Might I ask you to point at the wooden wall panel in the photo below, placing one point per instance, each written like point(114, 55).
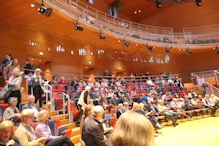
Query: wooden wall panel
point(186, 15)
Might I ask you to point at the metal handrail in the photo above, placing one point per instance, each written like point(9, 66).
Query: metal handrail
point(159, 36)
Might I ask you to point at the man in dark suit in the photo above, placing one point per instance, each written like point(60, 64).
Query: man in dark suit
point(92, 130)
point(31, 105)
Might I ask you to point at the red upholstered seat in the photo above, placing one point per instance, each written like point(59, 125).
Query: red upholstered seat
point(113, 122)
point(75, 112)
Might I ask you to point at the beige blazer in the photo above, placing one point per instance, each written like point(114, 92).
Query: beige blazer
point(24, 137)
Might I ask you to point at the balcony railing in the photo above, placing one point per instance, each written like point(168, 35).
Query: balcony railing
point(207, 36)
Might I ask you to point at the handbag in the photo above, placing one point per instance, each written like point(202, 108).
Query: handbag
point(6, 91)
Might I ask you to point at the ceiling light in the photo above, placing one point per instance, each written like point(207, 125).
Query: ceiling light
point(135, 12)
point(41, 53)
point(139, 11)
point(32, 59)
point(78, 27)
point(39, 60)
point(89, 62)
point(126, 43)
point(150, 48)
point(32, 5)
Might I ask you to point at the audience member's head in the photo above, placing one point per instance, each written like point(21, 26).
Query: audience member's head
point(135, 106)
point(88, 88)
point(6, 131)
point(27, 116)
point(12, 101)
point(207, 96)
point(141, 106)
point(132, 129)
point(31, 99)
point(98, 112)
point(88, 111)
point(16, 72)
point(43, 116)
point(120, 106)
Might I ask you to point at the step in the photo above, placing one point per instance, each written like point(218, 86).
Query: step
point(75, 131)
point(76, 139)
point(52, 113)
point(61, 117)
point(63, 122)
point(78, 144)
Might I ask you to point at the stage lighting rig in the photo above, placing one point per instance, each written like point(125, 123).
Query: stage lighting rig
point(43, 10)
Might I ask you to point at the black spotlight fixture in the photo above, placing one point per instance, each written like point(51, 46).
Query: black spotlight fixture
point(126, 42)
point(78, 27)
point(167, 49)
point(198, 2)
point(43, 10)
point(158, 3)
point(150, 48)
point(188, 51)
point(216, 50)
point(101, 36)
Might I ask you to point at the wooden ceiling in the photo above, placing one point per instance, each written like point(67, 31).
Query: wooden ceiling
point(20, 13)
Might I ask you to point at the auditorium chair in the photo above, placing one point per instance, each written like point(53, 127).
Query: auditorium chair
point(75, 111)
point(67, 133)
point(113, 122)
point(62, 128)
point(2, 108)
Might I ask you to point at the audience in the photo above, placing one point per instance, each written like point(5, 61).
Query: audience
point(92, 129)
point(7, 134)
point(9, 69)
point(31, 105)
point(28, 67)
point(25, 133)
point(131, 131)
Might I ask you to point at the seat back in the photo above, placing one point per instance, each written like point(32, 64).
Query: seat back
point(2, 108)
point(113, 122)
point(35, 125)
point(67, 132)
point(75, 112)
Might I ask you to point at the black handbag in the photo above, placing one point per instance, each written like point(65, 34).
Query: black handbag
point(6, 91)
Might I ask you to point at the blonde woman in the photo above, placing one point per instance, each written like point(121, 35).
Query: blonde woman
point(35, 83)
point(15, 82)
point(7, 134)
point(43, 130)
point(132, 129)
point(25, 133)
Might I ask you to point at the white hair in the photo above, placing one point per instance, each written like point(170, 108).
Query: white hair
point(97, 110)
point(87, 88)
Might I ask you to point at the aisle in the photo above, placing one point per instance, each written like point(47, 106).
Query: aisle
point(202, 132)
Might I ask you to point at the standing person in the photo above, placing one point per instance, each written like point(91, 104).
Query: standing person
point(84, 100)
point(36, 82)
point(6, 62)
point(9, 68)
point(27, 66)
point(15, 82)
point(92, 130)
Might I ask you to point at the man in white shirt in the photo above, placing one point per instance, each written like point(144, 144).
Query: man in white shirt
point(206, 102)
point(31, 105)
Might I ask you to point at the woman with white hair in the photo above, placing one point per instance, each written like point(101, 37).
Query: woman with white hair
point(15, 82)
point(25, 133)
point(35, 83)
point(7, 134)
point(12, 113)
point(43, 130)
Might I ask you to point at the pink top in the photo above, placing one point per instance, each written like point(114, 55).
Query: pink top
point(43, 130)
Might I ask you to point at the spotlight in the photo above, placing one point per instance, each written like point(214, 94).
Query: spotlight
point(126, 43)
point(78, 27)
point(217, 50)
point(188, 51)
point(44, 10)
point(150, 48)
point(158, 3)
point(198, 2)
point(101, 36)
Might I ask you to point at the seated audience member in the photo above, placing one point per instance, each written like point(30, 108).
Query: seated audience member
point(75, 83)
point(31, 105)
point(55, 81)
point(133, 93)
point(95, 94)
point(7, 134)
point(114, 100)
point(149, 81)
point(92, 130)
point(90, 83)
point(214, 100)
point(102, 100)
point(163, 110)
point(62, 81)
point(126, 106)
point(138, 131)
point(43, 130)
point(119, 111)
point(12, 113)
point(143, 98)
point(25, 133)
point(128, 99)
point(207, 104)
point(78, 93)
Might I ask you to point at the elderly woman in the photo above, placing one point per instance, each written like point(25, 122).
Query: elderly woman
point(15, 82)
point(43, 130)
point(12, 113)
point(9, 69)
point(7, 134)
point(138, 131)
point(25, 133)
point(36, 82)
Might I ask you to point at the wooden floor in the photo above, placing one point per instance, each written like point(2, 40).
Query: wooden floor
point(202, 132)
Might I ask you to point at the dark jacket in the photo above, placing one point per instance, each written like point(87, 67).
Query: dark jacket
point(92, 133)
